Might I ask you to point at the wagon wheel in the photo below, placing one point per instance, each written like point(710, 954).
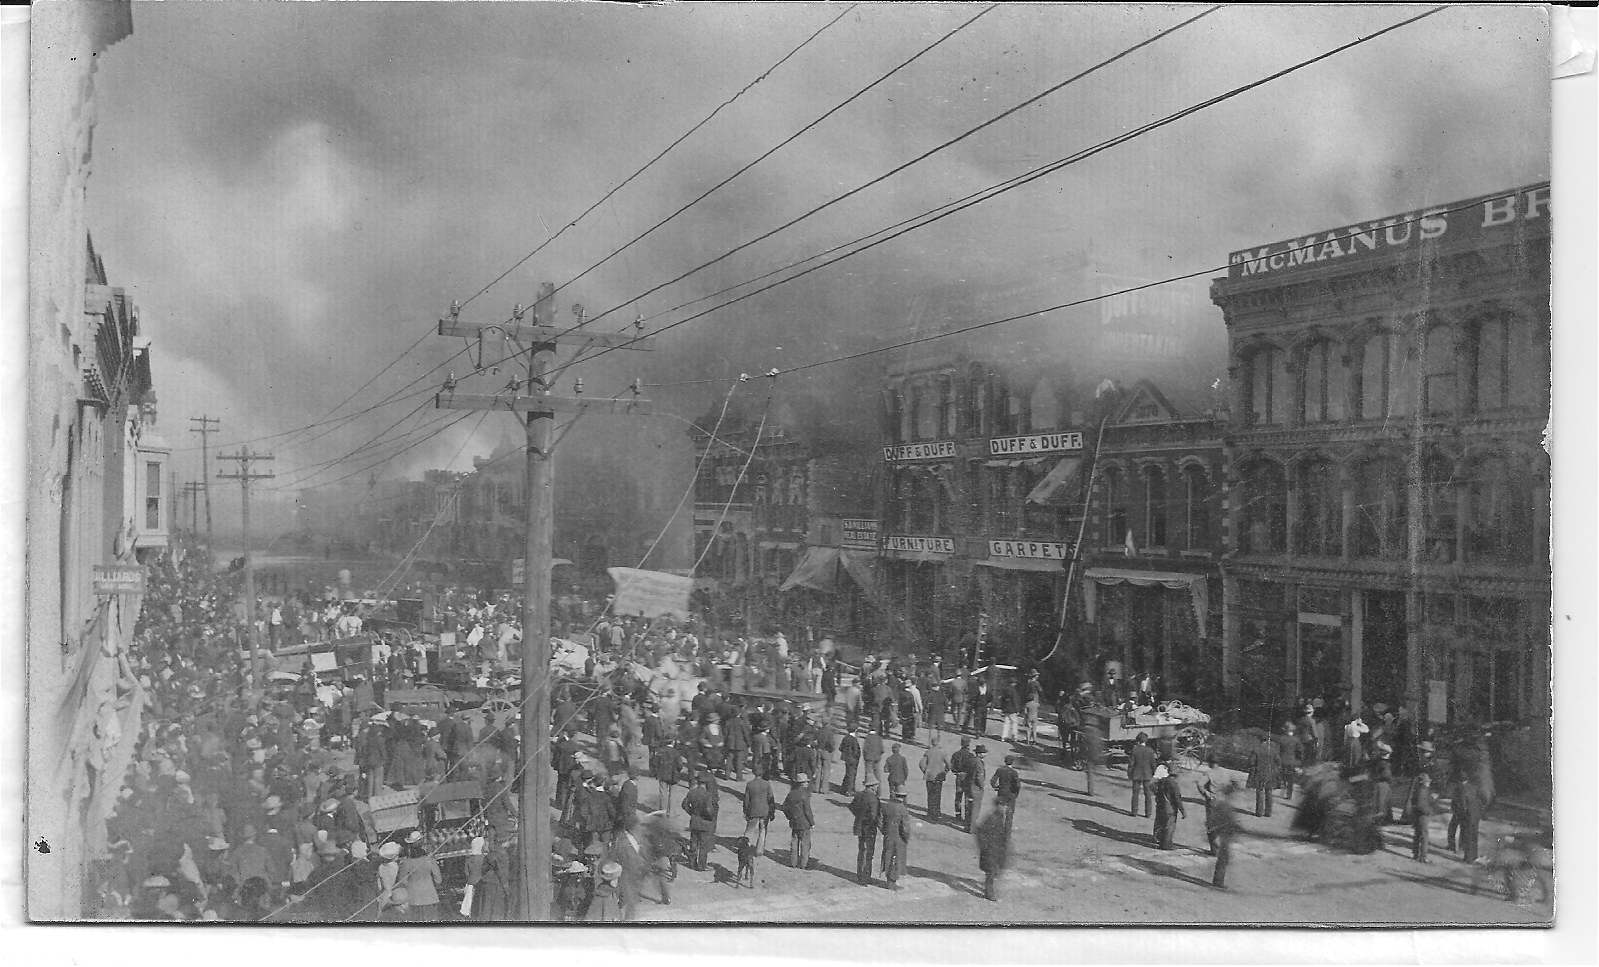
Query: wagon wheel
point(1189, 744)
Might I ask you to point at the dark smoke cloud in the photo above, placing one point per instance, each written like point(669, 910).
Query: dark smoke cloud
point(294, 192)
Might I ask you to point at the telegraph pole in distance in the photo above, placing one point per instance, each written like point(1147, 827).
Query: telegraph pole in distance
point(208, 425)
point(536, 408)
point(245, 458)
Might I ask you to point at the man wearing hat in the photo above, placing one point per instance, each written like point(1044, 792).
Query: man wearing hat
point(1007, 785)
point(702, 806)
point(867, 810)
point(849, 750)
point(899, 770)
point(758, 807)
point(1290, 755)
point(960, 763)
point(1264, 774)
point(1141, 770)
point(935, 769)
point(895, 825)
point(797, 807)
point(872, 755)
point(976, 780)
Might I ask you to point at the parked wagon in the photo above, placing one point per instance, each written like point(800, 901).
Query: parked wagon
point(1174, 729)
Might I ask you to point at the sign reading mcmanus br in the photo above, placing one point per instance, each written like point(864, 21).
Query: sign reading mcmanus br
point(1459, 221)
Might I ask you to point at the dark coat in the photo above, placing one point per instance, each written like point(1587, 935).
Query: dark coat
point(736, 734)
point(898, 769)
point(702, 805)
point(758, 801)
point(849, 748)
point(868, 810)
point(1141, 763)
point(895, 825)
point(797, 807)
point(872, 748)
point(1265, 766)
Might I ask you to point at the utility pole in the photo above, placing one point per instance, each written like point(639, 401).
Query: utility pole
point(536, 408)
point(208, 425)
point(245, 458)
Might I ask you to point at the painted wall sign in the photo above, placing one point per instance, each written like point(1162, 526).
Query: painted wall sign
point(1475, 218)
point(118, 579)
point(1035, 443)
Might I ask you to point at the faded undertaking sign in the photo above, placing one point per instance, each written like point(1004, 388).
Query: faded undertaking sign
point(118, 579)
point(652, 594)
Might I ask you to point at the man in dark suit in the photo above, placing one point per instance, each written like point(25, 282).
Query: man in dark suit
point(935, 769)
point(702, 805)
point(960, 763)
point(1141, 769)
point(736, 741)
point(1265, 774)
point(899, 770)
point(867, 810)
point(895, 824)
point(1007, 783)
point(976, 782)
point(758, 806)
point(624, 799)
point(849, 750)
point(797, 807)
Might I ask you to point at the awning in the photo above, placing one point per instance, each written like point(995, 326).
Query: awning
point(817, 570)
point(1064, 473)
point(1198, 590)
point(1024, 564)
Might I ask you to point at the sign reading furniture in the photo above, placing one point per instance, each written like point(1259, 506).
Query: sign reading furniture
point(1462, 221)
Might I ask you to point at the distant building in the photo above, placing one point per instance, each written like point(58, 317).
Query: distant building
point(1388, 523)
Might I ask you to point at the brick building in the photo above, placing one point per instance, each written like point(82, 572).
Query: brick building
point(1389, 491)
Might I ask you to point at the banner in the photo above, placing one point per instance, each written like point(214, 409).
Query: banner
point(653, 594)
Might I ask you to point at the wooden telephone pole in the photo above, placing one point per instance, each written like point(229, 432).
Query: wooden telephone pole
point(208, 425)
point(536, 408)
point(245, 458)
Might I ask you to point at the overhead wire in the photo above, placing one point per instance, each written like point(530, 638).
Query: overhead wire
point(663, 152)
point(914, 161)
point(1034, 174)
point(771, 151)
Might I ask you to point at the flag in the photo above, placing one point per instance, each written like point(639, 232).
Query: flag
point(1128, 545)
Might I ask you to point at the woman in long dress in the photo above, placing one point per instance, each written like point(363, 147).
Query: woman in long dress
point(487, 874)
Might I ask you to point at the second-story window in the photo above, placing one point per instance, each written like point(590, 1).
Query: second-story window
point(976, 401)
point(948, 411)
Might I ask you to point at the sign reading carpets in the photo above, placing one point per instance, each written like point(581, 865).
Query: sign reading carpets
point(652, 594)
point(1037, 550)
point(858, 534)
point(1035, 443)
point(919, 545)
point(118, 579)
point(1464, 221)
point(941, 450)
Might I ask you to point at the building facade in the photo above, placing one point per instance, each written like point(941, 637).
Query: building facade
point(85, 376)
point(1388, 513)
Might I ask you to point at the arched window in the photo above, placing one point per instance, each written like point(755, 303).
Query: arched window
point(1264, 512)
point(1384, 372)
point(1005, 409)
point(1501, 511)
point(1044, 407)
point(1323, 383)
point(1489, 354)
point(1439, 362)
point(947, 410)
point(1438, 486)
point(976, 400)
point(1115, 511)
point(1154, 506)
point(1196, 509)
point(924, 418)
point(893, 419)
point(1381, 509)
point(1269, 386)
point(1320, 506)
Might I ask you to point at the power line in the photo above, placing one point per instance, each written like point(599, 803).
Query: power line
point(916, 160)
point(681, 138)
point(995, 190)
point(1186, 276)
point(769, 152)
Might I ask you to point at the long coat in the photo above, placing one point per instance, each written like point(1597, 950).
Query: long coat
point(1265, 766)
point(895, 824)
point(868, 810)
point(487, 873)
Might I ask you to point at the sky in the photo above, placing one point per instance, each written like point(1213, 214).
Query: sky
point(294, 193)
